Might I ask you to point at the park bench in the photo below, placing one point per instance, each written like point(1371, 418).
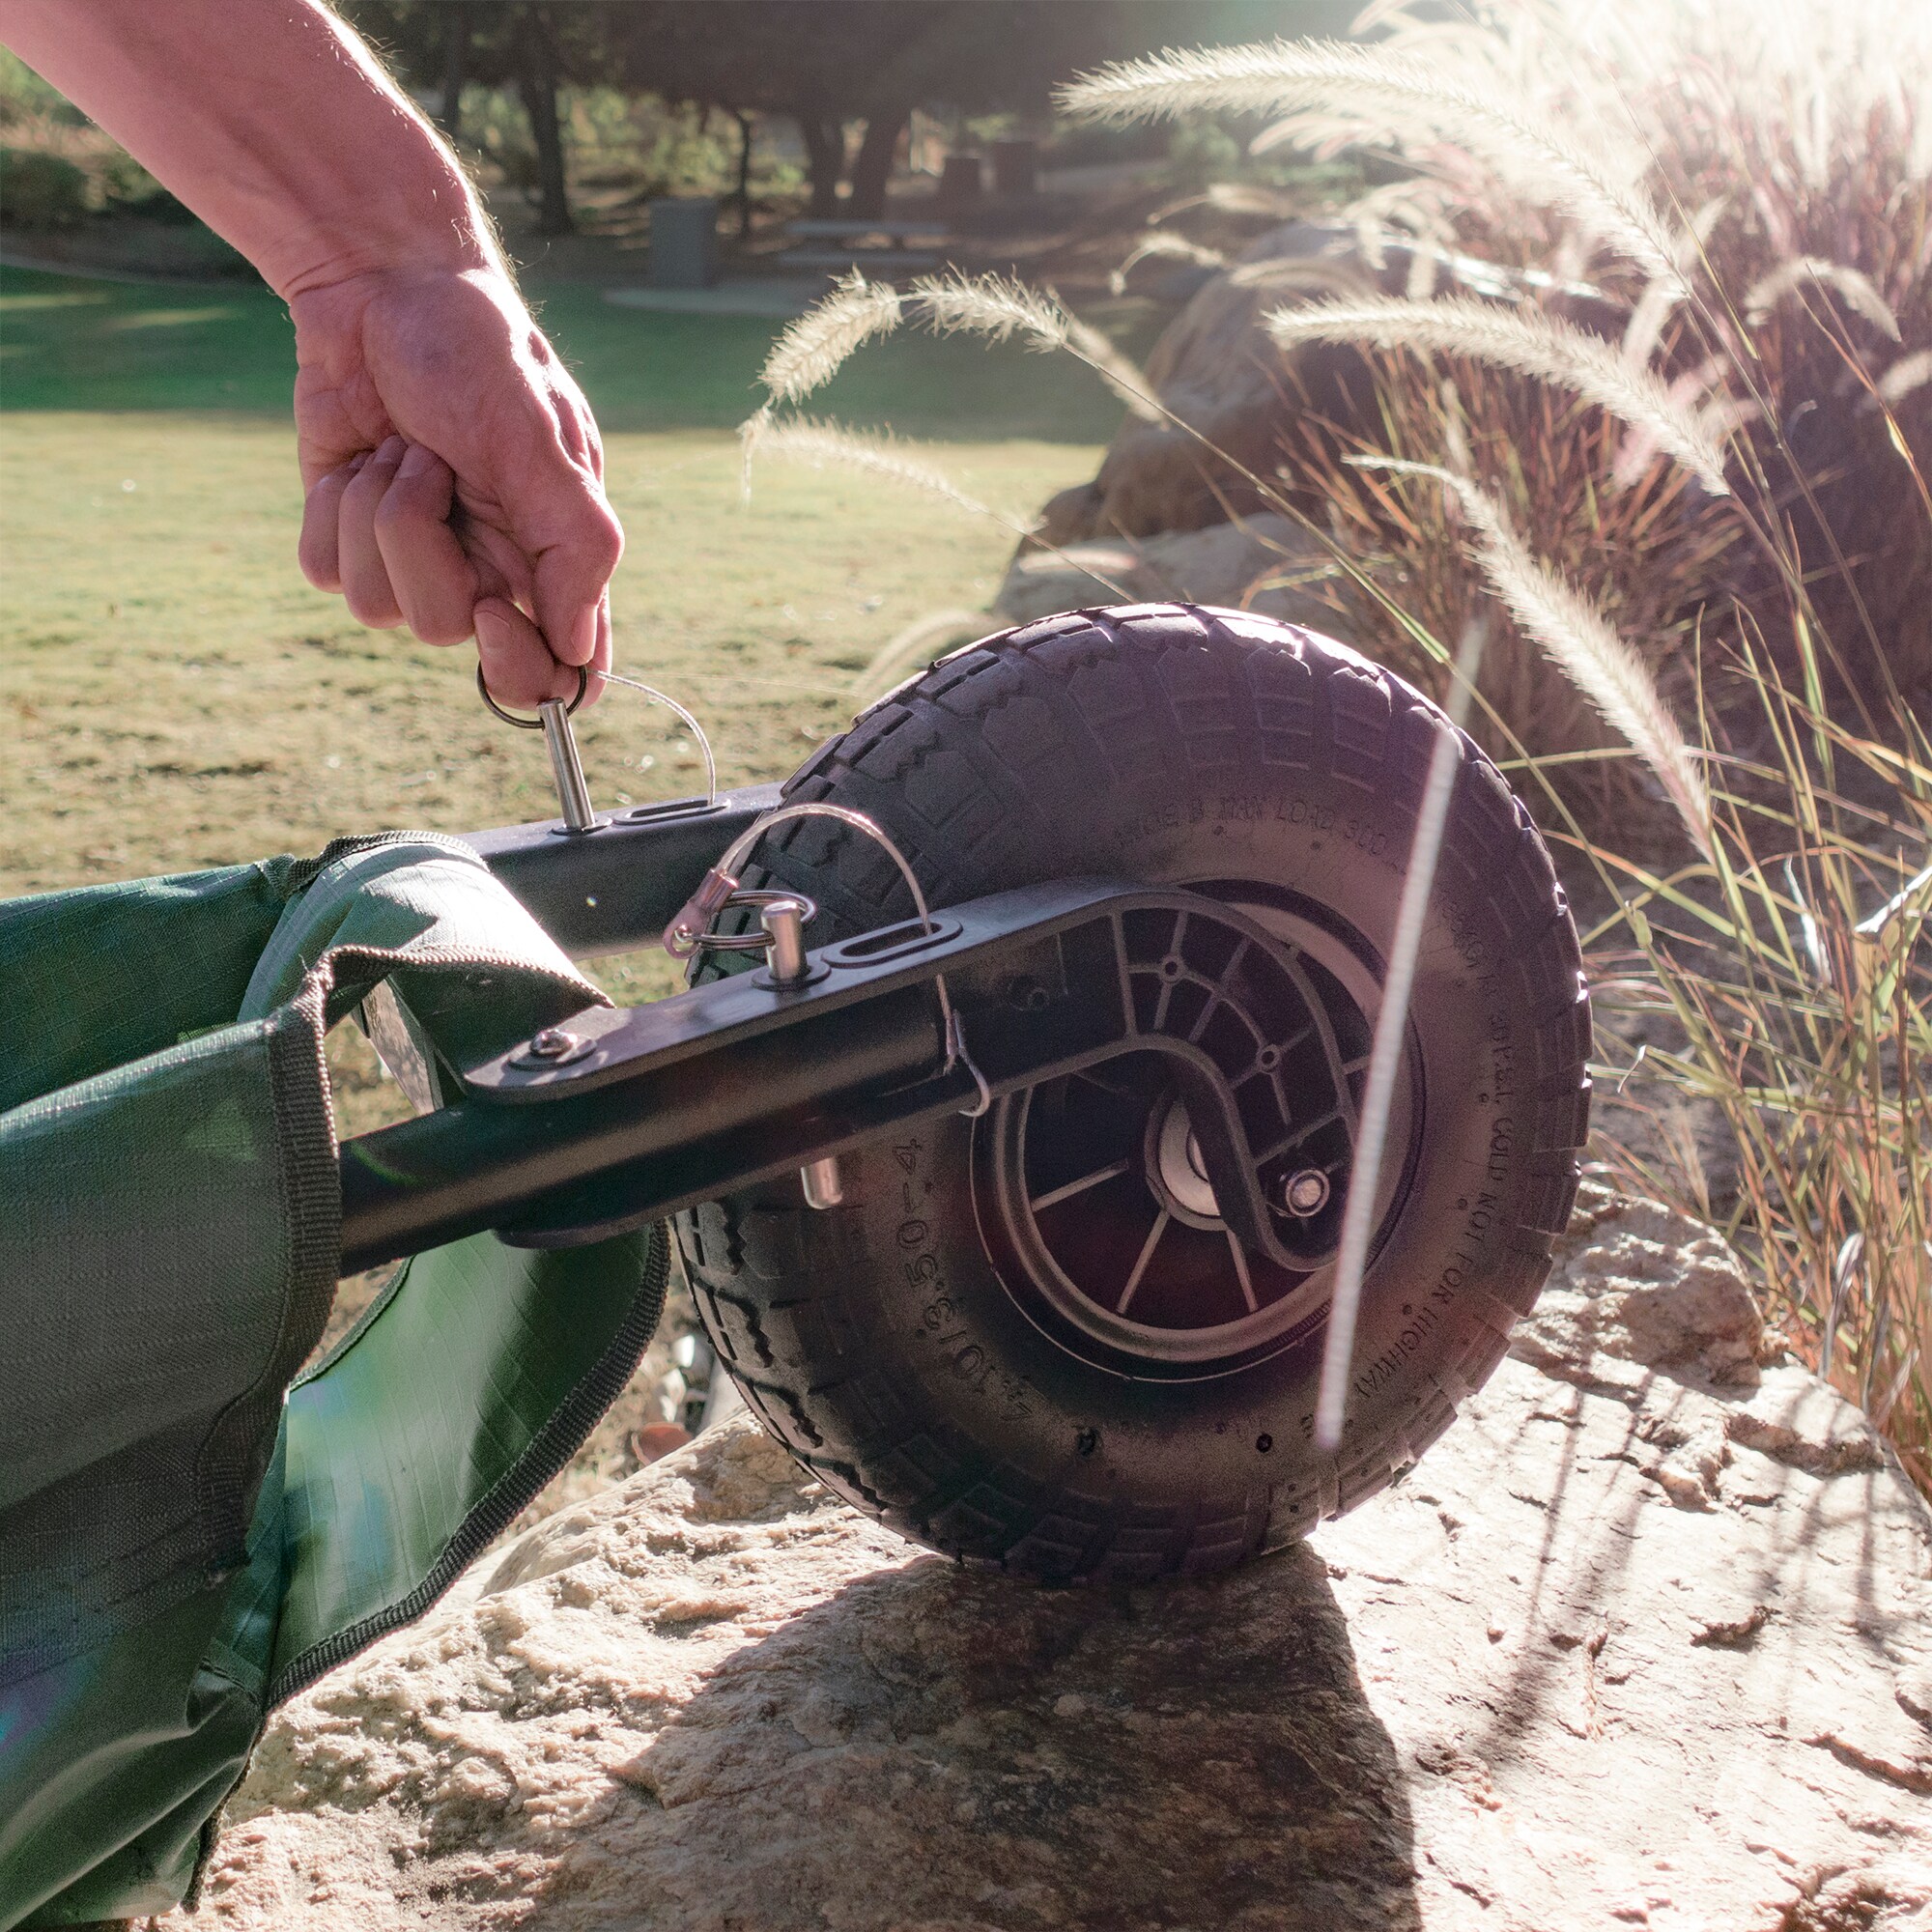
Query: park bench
point(881, 242)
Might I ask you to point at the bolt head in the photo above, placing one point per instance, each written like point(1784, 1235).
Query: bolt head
point(1305, 1193)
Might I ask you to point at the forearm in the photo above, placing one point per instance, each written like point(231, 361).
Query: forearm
point(271, 121)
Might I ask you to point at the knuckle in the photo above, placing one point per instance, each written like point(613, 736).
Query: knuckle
point(603, 544)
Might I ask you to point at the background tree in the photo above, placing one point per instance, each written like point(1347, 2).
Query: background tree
point(442, 45)
point(848, 72)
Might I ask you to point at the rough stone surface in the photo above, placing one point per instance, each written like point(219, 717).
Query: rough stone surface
point(1637, 1287)
point(1642, 1642)
point(1215, 368)
point(1263, 563)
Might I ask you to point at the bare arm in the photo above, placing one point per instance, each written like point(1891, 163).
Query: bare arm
point(452, 470)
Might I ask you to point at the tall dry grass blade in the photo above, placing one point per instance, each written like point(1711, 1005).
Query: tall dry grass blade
point(1388, 1049)
point(1332, 77)
point(1524, 340)
point(1408, 212)
point(921, 642)
point(806, 441)
point(1161, 243)
point(1581, 644)
point(813, 349)
point(750, 433)
point(1646, 328)
point(992, 306)
point(803, 439)
point(1115, 367)
point(1766, 293)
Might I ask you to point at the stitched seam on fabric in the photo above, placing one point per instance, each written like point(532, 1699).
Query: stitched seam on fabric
point(550, 1450)
point(303, 874)
point(391, 959)
point(360, 1328)
point(226, 1485)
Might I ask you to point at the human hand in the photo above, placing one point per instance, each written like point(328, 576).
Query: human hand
point(453, 476)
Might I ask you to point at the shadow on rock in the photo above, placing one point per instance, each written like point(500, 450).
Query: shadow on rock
point(996, 1754)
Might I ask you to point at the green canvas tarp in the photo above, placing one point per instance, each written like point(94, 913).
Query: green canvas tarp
point(185, 1539)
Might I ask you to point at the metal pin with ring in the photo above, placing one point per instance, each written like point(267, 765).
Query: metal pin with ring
point(782, 914)
point(552, 719)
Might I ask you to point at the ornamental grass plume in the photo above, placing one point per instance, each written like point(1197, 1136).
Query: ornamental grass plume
point(806, 441)
point(1790, 277)
point(1745, 188)
point(813, 349)
point(1371, 93)
point(1528, 342)
point(994, 307)
point(1581, 644)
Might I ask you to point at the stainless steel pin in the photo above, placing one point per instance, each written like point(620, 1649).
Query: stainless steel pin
point(784, 921)
point(561, 741)
point(824, 1186)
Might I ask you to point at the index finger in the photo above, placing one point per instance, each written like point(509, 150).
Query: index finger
point(552, 500)
point(573, 576)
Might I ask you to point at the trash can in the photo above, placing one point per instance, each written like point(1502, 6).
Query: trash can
point(1015, 167)
point(962, 179)
point(684, 242)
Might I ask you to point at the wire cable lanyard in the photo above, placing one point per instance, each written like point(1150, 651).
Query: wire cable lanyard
point(552, 719)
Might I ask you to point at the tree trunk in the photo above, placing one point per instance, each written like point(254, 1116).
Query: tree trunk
point(825, 160)
point(536, 82)
point(747, 126)
point(873, 168)
point(456, 31)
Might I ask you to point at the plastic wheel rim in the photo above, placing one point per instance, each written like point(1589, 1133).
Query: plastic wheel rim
point(1117, 1263)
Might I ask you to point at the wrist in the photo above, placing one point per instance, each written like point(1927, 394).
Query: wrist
point(435, 227)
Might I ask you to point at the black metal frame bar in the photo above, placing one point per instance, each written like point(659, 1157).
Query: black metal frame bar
point(617, 887)
point(740, 1080)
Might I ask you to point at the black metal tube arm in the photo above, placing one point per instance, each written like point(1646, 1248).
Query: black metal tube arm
point(480, 1164)
point(647, 1109)
point(619, 887)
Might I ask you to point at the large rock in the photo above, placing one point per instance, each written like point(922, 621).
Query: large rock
point(1215, 368)
point(1642, 1642)
point(1263, 562)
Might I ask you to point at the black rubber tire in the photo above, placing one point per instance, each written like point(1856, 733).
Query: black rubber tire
point(1174, 744)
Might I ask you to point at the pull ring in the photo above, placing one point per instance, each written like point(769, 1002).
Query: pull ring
point(552, 719)
point(532, 723)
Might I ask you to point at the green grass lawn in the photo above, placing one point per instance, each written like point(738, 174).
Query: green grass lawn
point(66, 344)
point(175, 696)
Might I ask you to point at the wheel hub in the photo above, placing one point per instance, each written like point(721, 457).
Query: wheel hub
point(1174, 1170)
point(1091, 1190)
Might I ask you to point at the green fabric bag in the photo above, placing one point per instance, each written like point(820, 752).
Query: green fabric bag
point(185, 1540)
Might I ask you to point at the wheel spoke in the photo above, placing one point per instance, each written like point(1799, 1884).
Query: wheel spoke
point(1216, 999)
point(1140, 1266)
point(1053, 1196)
point(1241, 1272)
